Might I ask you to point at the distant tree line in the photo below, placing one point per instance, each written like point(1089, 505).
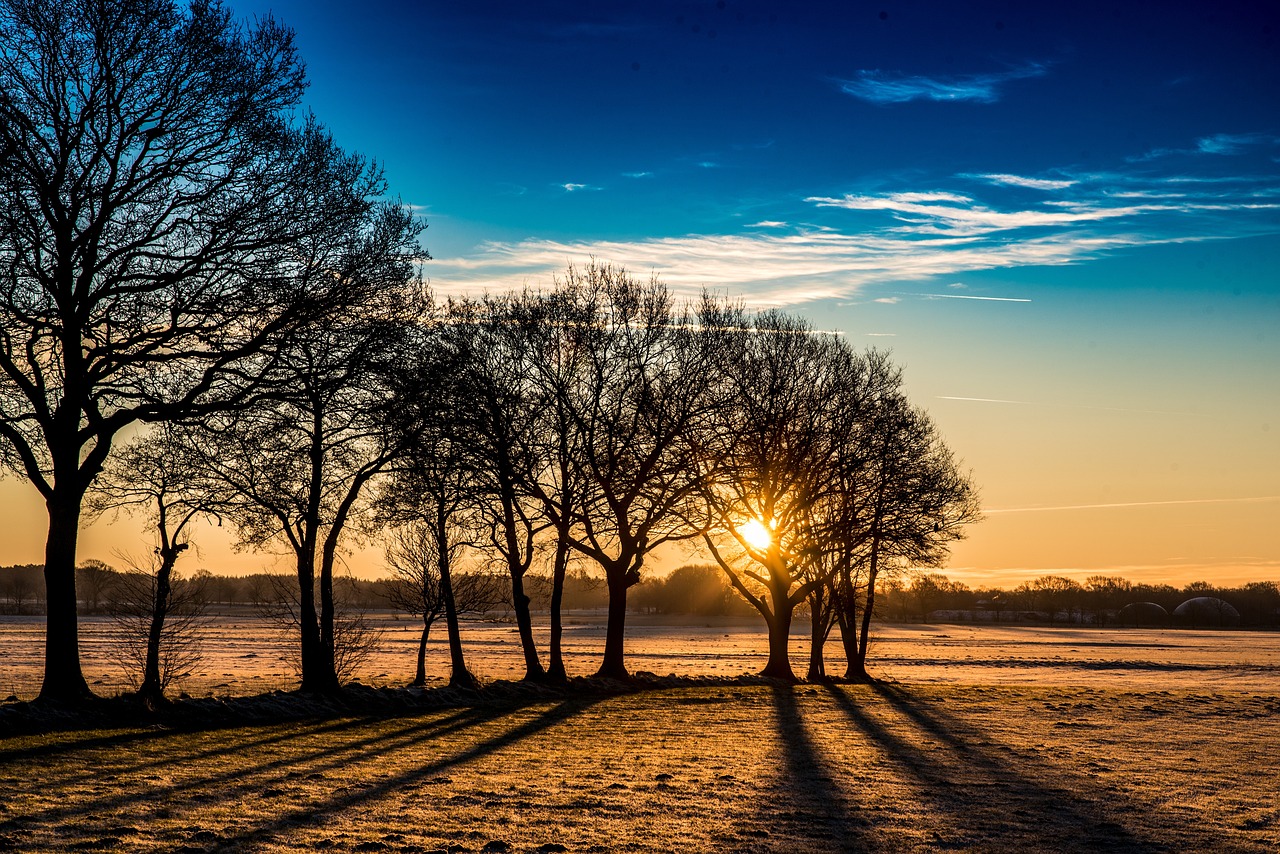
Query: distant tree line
point(211, 311)
point(1099, 600)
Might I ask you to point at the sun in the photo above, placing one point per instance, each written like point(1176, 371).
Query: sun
point(757, 535)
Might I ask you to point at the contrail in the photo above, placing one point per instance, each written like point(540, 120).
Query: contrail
point(1254, 500)
point(962, 296)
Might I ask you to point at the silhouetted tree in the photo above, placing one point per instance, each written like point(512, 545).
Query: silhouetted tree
point(556, 331)
point(435, 483)
point(498, 410)
point(911, 499)
point(766, 463)
point(156, 475)
point(644, 379)
point(296, 468)
point(415, 586)
point(156, 203)
point(157, 632)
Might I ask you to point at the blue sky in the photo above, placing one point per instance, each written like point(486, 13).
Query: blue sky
point(1063, 220)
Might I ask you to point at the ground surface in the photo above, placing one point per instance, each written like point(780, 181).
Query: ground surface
point(889, 767)
point(978, 739)
point(247, 655)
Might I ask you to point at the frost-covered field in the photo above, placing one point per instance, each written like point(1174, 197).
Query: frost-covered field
point(889, 767)
point(978, 739)
point(246, 655)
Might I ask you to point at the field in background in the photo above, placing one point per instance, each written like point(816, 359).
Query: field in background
point(248, 655)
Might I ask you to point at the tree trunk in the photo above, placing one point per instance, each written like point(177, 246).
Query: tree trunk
point(63, 679)
point(420, 677)
point(847, 614)
point(533, 671)
point(316, 677)
point(152, 689)
point(614, 666)
point(858, 668)
point(779, 664)
point(327, 663)
point(817, 635)
point(459, 676)
point(555, 669)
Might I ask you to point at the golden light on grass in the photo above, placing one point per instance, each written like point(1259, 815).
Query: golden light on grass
point(756, 534)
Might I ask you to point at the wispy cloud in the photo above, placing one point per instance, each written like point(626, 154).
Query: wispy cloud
point(577, 188)
point(1126, 504)
point(880, 87)
point(1220, 144)
point(1227, 143)
point(1030, 183)
point(910, 235)
point(637, 174)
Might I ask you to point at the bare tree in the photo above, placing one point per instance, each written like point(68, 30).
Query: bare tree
point(644, 379)
point(435, 483)
point(297, 468)
point(496, 412)
point(155, 651)
point(98, 582)
point(555, 330)
point(416, 587)
point(157, 208)
point(767, 457)
point(913, 501)
point(156, 475)
point(355, 637)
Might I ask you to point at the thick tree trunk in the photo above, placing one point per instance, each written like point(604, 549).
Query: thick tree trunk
point(63, 679)
point(316, 677)
point(847, 614)
point(533, 671)
point(817, 636)
point(459, 675)
point(613, 666)
point(327, 650)
point(555, 666)
point(779, 664)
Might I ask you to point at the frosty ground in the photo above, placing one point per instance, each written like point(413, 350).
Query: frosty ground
point(976, 739)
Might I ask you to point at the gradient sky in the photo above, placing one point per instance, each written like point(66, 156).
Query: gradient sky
point(1064, 223)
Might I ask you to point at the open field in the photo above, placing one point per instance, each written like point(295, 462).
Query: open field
point(888, 767)
point(978, 739)
point(246, 654)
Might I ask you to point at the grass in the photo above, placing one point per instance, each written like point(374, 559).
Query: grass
point(885, 767)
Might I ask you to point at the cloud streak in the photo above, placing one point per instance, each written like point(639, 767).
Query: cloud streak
point(911, 235)
point(879, 87)
point(965, 296)
point(1127, 504)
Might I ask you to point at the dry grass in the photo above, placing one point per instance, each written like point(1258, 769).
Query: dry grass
point(889, 767)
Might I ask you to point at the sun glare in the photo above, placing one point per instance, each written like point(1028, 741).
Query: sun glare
point(757, 535)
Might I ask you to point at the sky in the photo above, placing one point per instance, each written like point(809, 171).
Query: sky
point(1064, 223)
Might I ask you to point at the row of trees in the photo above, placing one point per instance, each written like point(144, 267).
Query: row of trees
point(212, 311)
point(1097, 599)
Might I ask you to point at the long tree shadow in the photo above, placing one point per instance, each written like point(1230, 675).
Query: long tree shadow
point(981, 799)
point(804, 810)
point(233, 779)
point(343, 800)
